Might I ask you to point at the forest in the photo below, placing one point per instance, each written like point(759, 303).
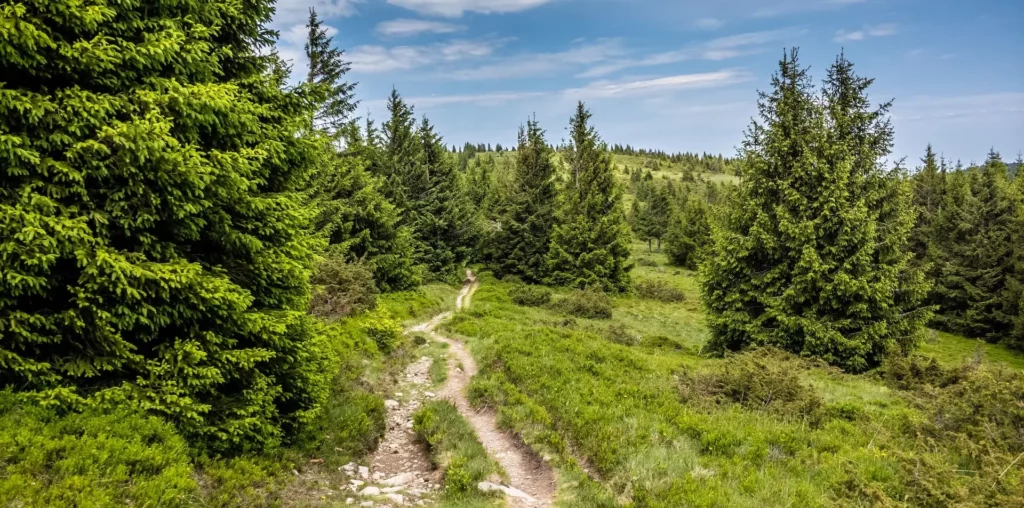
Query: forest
point(222, 287)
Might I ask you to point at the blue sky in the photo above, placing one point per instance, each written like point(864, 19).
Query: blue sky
point(673, 74)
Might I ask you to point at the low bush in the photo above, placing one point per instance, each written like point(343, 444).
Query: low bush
point(529, 296)
point(648, 262)
point(619, 334)
point(454, 448)
point(119, 458)
point(383, 330)
point(761, 379)
point(588, 304)
point(659, 290)
point(341, 289)
point(916, 371)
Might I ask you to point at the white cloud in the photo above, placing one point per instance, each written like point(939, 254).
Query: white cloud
point(374, 59)
point(296, 12)
point(882, 30)
point(532, 64)
point(455, 8)
point(709, 23)
point(604, 89)
point(484, 99)
point(721, 48)
point(408, 27)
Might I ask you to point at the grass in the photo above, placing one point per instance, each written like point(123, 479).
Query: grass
point(579, 397)
point(455, 449)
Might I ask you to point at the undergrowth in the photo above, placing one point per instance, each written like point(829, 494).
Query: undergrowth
point(455, 449)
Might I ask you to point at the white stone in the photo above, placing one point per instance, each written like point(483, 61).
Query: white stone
point(401, 479)
point(396, 498)
point(430, 395)
point(364, 472)
point(358, 483)
point(351, 466)
point(349, 500)
point(508, 491)
point(391, 404)
point(366, 503)
point(370, 491)
point(392, 490)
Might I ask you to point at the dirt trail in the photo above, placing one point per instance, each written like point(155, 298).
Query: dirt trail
point(532, 480)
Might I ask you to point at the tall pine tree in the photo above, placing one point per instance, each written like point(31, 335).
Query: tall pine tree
point(331, 97)
point(813, 257)
point(929, 182)
point(590, 244)
point(689, 233)
point(526, 216)
point(153, 245)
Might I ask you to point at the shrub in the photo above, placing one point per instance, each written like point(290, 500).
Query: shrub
point(530, 296)
point(619, 334)
point(916, 371)
point(94, 458)
point(761, 379)
point(588, 304)
point(383, 330)
point(454, 448)
point(341, 289)
point(658, 290)
point(648, 262)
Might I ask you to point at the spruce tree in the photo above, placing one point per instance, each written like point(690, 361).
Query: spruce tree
point(357, 222)
point(590, 244)
point(526, 217)
point(441, 216)
point(331, 98)
point(398, 162)
point(689, 234)
point(949, 248)
point(812, 257)
point(929, 181)
point(1016, 293)
point(153, 245)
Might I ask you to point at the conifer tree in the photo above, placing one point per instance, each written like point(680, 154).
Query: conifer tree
point(356, 220)
point(332, 99)
point(1016, 293)
point(651, 217)
point(590, 244)
point(398, 162)
point(441, 215)
point(812, 257)
point(689, 234)
point(153, 244)
point(929, 181)
point(526, 216)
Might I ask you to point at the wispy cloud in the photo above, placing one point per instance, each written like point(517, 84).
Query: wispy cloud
point(960, 107)
point(409, 27)
point(784, 7)
point(709, 23)
point(716, 49)
point(603, 89)
point(296, 12)
point(532, 64)
point(455, 8)
point(883, 30)
point(375, 59)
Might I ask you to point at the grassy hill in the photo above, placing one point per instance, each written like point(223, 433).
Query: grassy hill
point(633, 400)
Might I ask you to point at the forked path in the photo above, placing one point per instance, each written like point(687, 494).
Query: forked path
point(532, 482)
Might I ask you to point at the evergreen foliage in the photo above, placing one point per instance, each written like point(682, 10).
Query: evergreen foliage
point(355, 218)
point(526, 216)
point(331, 98)
point(590, 244)
point(813, 256)
point(689, 234)
point(651, 217)
point(929, 184)
point(155, 249)
point(976, 237)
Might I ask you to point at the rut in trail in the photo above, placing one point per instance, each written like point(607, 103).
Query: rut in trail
point(532, 482)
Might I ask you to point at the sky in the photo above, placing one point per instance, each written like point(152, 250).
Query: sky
point(672, 74)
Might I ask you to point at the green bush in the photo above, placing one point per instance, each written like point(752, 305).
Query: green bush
point(658, 290)
point(588, 304)
point(454, 448)
point(619, 334)
point(383, 330)
point(916, 371)
point(530, 296)
point(90, 459)
point(761, 379)
point(341, 289)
